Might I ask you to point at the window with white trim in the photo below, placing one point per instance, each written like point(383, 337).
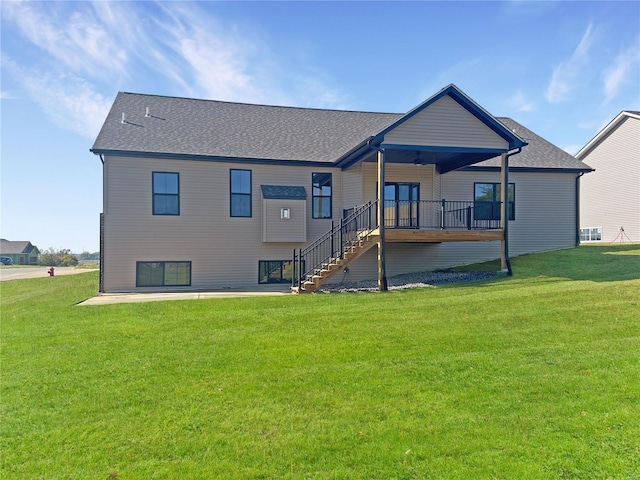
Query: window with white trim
point(591, 234)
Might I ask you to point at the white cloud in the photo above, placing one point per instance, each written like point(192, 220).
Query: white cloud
point(217, 62)
point(67, 99)
point(70, 102)
point(520, 103)
point(567, 73)
point(91, 49)
point(76, 39)
point(617, 75)
point(6, 96)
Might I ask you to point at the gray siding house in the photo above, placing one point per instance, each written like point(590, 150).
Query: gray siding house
point(610, 197)
point(202, 194)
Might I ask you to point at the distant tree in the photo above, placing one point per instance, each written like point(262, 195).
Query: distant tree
point(69, 260)
point(88, 256)
point(58, 258)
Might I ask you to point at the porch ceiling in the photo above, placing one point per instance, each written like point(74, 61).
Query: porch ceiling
point(445, 160)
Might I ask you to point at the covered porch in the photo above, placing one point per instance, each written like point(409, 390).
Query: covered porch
point(447, 132)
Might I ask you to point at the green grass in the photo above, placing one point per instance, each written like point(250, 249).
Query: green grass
point(532, 376)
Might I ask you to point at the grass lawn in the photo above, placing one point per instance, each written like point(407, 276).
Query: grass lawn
point(532, 376)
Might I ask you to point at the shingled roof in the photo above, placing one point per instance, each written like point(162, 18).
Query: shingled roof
point(153, 125)
point(539, 154)
point(15, 247)
point(233, 130)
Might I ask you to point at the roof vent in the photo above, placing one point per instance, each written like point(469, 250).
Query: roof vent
point(147, 114)
point(124, 118)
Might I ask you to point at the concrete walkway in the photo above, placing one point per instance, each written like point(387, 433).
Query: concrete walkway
point(256, 291)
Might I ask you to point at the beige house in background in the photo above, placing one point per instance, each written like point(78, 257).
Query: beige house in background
point(202, 194)
point(610, 196)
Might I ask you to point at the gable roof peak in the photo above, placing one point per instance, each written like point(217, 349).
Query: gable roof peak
point(612, 125)
point(468, 104)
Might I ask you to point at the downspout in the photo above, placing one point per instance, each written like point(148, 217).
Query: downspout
point(101, 282)
point(578, 209)
point(505, 209)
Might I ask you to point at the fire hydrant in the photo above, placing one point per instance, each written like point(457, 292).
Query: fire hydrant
point(51, 271)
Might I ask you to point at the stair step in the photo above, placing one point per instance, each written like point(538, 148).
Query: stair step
point(363, 241)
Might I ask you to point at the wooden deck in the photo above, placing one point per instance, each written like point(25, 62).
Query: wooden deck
point(399, 235)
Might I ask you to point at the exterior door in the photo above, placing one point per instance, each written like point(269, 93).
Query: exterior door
point(402, 205)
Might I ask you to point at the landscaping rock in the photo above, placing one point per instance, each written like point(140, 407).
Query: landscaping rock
point(411, 280)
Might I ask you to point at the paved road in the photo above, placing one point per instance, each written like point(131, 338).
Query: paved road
point(20, 273)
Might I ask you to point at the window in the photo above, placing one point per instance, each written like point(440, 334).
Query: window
point(321, 186)
point(166, 193)
point(276, 271)
point(163, 274)
point(487, 201)
point(591, 234)
point(240, 193)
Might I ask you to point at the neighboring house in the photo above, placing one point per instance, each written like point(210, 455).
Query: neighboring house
point(22, 253)
point(205, 194)
point(610, 197)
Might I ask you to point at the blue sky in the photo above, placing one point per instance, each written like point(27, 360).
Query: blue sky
point(563, 69)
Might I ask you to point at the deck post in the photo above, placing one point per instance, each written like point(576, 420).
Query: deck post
point(382, 269)
point(504, 213)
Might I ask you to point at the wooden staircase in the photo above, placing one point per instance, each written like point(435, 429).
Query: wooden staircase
point(321, 275)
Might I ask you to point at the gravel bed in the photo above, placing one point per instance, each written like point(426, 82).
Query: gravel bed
point(411, 280)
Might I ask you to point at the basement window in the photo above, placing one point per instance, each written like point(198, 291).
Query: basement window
point(591, 234)
point(163, 274)
point(276, 271)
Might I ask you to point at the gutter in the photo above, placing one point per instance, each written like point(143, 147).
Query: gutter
point(209, 158)
point(352, 155)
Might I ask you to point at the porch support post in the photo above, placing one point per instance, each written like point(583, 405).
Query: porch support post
point(504, 213)
point(382, 269)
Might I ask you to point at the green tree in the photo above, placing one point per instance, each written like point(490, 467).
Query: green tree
point(69, 260)
point(58, 258)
